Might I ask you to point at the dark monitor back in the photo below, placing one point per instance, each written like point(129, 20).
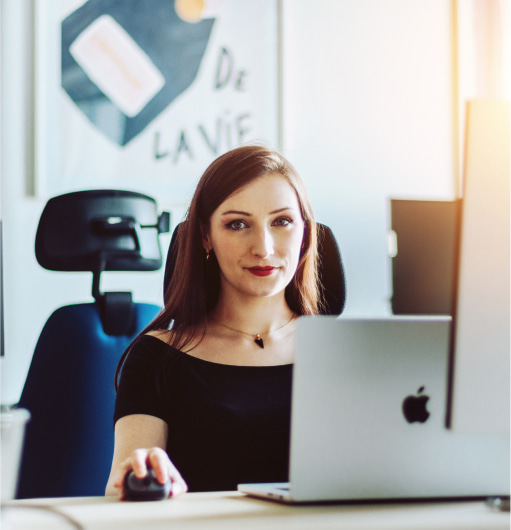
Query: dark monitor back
point(423, 270)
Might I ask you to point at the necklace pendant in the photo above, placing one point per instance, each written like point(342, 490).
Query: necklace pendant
point(259, 341)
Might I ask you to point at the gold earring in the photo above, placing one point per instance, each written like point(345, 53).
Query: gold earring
point(207, 255)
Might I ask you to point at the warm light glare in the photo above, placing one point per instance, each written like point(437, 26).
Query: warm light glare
point(506, 49)
point(190, 10)
point(196, 10)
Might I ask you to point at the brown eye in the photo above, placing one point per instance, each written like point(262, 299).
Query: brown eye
point(282, 221)
point(236, 225)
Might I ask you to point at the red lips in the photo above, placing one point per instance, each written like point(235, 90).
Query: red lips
point(261, 271)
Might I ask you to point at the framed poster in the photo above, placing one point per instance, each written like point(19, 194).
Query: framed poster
point(144, 94)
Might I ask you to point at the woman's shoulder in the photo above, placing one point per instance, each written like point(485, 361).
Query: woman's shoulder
point(152, 345)
point(164, 335)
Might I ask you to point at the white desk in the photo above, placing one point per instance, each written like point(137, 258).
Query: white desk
point(233, 511)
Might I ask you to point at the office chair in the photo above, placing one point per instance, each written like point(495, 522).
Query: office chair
point(69, 389)
point(331, 269)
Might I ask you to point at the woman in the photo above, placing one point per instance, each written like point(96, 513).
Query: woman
point(207, 402)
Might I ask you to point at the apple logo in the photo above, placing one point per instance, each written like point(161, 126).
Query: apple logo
point(414, 407)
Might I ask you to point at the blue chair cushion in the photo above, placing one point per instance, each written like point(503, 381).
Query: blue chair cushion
point(70, 394)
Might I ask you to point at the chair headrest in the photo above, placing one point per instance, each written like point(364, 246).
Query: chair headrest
point(331, 272)
point(331, 269)
point(112, 229)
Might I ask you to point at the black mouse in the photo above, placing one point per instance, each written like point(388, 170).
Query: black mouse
point(145, 489)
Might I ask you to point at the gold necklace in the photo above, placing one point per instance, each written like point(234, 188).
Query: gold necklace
point(258, 339)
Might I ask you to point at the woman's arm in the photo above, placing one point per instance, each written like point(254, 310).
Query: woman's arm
point(141, 440)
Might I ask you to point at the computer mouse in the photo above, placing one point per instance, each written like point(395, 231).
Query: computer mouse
point(145, 489)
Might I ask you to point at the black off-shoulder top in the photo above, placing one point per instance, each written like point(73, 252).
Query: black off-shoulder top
point(227, 424)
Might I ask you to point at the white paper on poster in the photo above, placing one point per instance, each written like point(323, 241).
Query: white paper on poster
point(117, 65)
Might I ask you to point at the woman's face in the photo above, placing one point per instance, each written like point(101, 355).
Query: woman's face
point(256, 235)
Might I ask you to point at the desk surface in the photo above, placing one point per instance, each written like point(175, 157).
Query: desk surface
point(232, 510)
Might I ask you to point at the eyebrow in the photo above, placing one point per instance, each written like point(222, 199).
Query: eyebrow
point(247, 214)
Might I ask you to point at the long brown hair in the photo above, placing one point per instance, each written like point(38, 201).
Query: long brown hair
point(195, 283)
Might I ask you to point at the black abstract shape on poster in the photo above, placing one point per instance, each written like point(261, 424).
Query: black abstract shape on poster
point(175, 47)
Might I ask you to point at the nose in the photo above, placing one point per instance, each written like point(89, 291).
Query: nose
point(263, 244)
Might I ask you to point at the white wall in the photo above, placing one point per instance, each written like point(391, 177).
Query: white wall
point(367, 115)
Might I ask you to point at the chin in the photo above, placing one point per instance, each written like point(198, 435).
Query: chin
point(259, 287)
point(267, 292)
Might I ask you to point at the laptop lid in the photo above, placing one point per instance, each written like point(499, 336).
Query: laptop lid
point(369, 405)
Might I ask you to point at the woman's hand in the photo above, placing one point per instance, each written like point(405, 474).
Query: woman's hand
point(158, 460)
point(131, 434)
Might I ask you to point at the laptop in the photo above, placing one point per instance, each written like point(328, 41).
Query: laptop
point(369, 403)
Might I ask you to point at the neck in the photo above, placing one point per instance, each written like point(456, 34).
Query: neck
point(255, 315)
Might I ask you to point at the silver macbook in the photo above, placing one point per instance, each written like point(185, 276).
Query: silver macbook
point(368, 415)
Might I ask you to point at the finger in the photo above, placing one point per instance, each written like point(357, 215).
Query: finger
point(178, 487)
point(164, 469)
point(138, 462)
point(158, 459)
